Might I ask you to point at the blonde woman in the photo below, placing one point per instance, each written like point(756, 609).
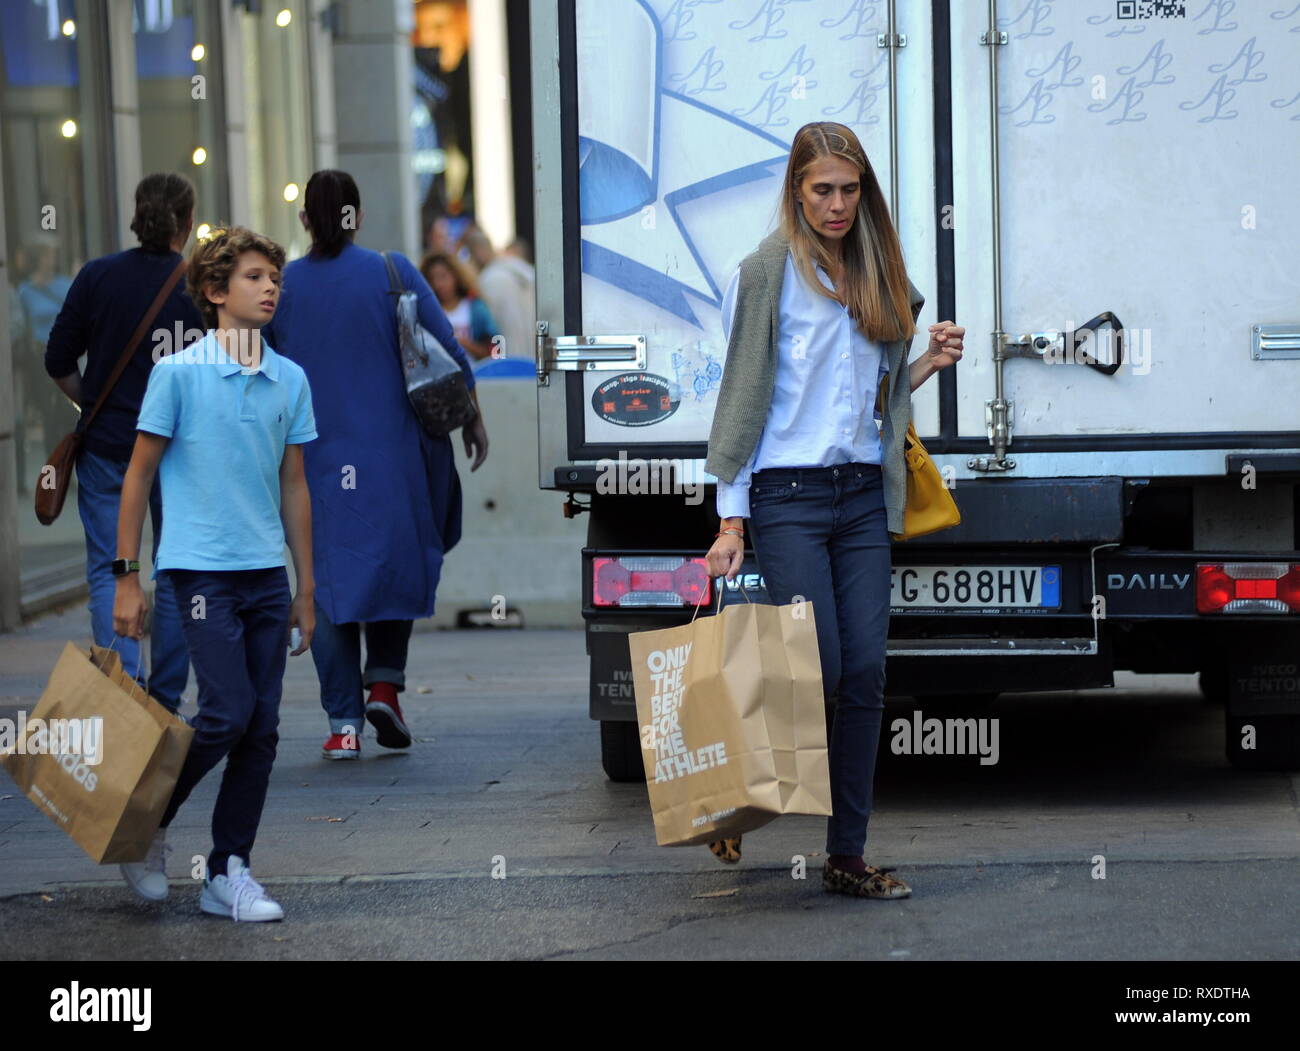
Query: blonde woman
point(816, 318)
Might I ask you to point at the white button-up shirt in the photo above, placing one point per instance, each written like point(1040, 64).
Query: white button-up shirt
point(823, 400)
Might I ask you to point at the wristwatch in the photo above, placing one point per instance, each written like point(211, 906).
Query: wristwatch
point(123, 566)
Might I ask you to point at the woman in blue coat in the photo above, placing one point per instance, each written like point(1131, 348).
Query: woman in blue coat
point(386, 498)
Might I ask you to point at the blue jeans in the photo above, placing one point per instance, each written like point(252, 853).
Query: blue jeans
point(99, 495)
point(822, 533)
point(336, 649)
point(238, 647)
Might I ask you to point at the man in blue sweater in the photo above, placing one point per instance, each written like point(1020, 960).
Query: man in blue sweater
point(107, 300)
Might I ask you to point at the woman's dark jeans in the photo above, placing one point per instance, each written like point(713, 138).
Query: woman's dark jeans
point(821, 533)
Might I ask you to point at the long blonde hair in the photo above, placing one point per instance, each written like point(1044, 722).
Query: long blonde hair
point(875, 285)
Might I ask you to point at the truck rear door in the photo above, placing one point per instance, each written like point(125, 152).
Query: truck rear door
point(661, 135)
point(1148, 153)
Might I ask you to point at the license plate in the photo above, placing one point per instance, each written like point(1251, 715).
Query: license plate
point(976, 587)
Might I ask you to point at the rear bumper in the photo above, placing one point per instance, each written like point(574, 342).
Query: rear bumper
point(1105, 582)
point(1128, 608)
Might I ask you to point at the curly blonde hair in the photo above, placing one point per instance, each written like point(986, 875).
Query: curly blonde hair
point(213, 261)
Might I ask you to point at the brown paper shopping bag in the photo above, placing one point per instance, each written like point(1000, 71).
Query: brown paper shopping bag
point(733, 722)
point(121, 752)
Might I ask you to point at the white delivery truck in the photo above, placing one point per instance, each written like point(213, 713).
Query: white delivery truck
point(1103, 193)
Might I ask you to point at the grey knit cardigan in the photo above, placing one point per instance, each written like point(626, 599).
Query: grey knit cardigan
point(749, 378)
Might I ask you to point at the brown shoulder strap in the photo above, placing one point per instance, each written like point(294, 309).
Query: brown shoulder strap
point(136, 336)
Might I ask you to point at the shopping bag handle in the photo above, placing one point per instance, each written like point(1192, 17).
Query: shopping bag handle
point(739, 584)
point(139, 658)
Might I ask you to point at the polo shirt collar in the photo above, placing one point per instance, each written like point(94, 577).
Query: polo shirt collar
point(227, 366)
point(270, 362)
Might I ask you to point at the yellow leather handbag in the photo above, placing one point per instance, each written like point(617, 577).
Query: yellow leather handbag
point(930, 506)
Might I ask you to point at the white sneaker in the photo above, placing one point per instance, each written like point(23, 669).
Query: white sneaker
point(238, 896)
point(148, 878)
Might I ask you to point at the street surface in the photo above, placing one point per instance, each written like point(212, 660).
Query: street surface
point(393, 857)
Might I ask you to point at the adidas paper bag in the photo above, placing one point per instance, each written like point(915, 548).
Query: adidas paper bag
point(98, 756)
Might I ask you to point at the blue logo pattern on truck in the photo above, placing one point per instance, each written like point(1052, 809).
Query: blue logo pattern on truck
point(633, 192)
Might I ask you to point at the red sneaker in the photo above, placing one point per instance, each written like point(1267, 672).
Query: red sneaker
point(385, 715)
point(342, 746)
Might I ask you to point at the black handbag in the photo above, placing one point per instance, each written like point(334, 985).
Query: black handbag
point(435, 384)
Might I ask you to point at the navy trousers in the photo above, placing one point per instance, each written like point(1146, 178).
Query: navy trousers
point(236, 626)
point(821, 533)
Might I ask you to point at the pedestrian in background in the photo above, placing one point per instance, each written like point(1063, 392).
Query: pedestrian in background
point(41, 294)
point(386, 498)
point(21, 359)
point(508, 285)
point(106, 301)
point(470, 318)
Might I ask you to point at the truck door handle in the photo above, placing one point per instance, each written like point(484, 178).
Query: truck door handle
point(1052, 346)
point(590, 353)
point(1076, 337)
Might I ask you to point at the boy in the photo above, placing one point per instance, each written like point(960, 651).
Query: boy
point(225, 419)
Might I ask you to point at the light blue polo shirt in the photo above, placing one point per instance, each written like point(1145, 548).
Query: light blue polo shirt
point(221, 470)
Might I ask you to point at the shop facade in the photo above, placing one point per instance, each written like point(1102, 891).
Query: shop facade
point(246, 98)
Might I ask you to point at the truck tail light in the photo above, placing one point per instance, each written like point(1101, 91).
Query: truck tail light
point(1247, 587)
point(650, 581)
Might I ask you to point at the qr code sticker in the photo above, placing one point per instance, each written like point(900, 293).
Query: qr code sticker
point(1127, 9)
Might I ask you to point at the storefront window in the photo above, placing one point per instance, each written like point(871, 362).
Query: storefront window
point(278, 118)
point(443, 151)
point(53, 102)
point(178, 72)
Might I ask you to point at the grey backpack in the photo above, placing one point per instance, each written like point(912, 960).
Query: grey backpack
point(435, 383)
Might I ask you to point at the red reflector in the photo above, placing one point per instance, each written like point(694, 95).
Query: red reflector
point(1256, 589)
point(692, 581)
point(1288, 589)
point(1236, 587)
point(610, 581)
point(650, 580)
point(1213, 589)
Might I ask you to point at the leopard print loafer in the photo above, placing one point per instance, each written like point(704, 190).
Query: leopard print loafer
point(726, 850)
point(875, 884)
